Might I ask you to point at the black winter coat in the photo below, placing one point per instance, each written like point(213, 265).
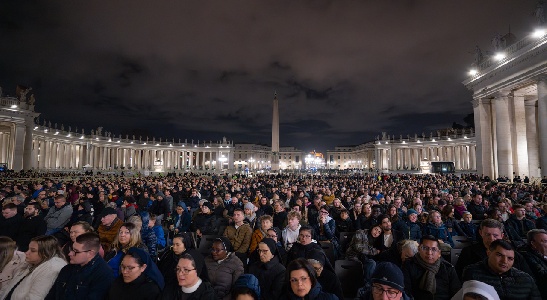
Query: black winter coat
point(141, 288)
point(538, 264)
point(447, 286)
point(29, 228)
point(271, 276)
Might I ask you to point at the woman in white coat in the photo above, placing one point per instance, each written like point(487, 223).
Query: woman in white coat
point(45, 259)
point(12, 262)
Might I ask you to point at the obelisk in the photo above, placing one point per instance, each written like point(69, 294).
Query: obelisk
point(275, 134)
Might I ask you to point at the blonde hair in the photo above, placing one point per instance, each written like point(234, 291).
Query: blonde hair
point(134, 237)
point(135, 220)
point(48, 247)
point(7, 249)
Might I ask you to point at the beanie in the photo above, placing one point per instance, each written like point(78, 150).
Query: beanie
point(389, 274)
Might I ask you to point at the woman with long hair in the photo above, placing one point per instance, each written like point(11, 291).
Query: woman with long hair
point(45, 260)
point(366, 212)
point(12, 261)
point(128, 236)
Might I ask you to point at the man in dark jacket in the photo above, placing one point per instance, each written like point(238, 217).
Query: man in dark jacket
point(535, 254)
point(87, 276)
point(428, 275)
point(477, 208)
point(498, 271)
point(387, 283)
point(519, 222)
point(32, 226)
point(490, 230)
point(10, 221)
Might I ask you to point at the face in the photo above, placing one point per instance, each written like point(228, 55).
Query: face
point(436, 218)
point(366, 209)
point(477, 200)
point(59, 202)
point(32, 256)
point(187, 275)
point(180, 210)
point(238, 216)
point(271, 234)
point(489, 235)
point(376, 231)
point(318, 268)
point(304, 237)
point(376, 212)
point(108, 219)
point(79, 255)
point(293, 223)
point(300, 283)
point(502, 206)
point(9, 213)
point(30, 211)
point(178, 246)
point(520, 212)
point(413, 218)
point(381, 292)
point(218, 252)
point(264, 253)
point(500, 260)
point(386, 224)
point(467, 218)
point(429, 251)
point(75, 231)
point(205, 209)
point(406, 253)
point(266, 224)
point(540, 243)
point(124, 235)
point(131, 269)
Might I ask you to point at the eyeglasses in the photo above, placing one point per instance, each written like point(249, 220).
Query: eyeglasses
point(391, 294)
point(185, 271)
point(272, 236)
point(217, 250)
point(427, 249)
point(262, 251)
point(77, 251)
point(297, 280)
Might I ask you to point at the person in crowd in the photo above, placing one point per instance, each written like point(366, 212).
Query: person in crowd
point(161, 208)
point(158, 230)
point(33, 225)
point(289, 236)
point(518, 221)
point(414, 231)
point(302, 282)
point(140, 278)
point(468, 228)
point(372, 219)
point(246, 287)
point(58, 215)
point(12, 261)
point(87, 276)
point(266, 222)
point(128, 208)
point(498, 271)
point(388, 237)
point(189, 286)
point(477, 208)
point(77, 229)
point(387, 282)
point(181, 220)
point(345, 224)
point(459, 208)
point(450, 222)
point(279, 219)
point(148, 236)
point(535, 253)
point(473, 289)
point(45, 260)
point(204, 222)
point(10, 221)
point(325, 273)
point(239, 234)
point(223, 267)
point(398, 255)
point(437, 228)
point(182, 243)
point(304, 245)
point(250, 214)
point(128, 236)
point(428, 275)
point(109, 228)
point(504, 210)
point(490, 230)
point(269, 270)
point(82, 212)
point(218, 204)
point(325, 230)
point(274, 233)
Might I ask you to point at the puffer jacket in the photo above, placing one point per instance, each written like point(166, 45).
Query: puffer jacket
point(223, 274)
point(148, 236)
point(512, 285)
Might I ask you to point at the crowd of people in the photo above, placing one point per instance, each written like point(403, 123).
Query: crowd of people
point(267, 237)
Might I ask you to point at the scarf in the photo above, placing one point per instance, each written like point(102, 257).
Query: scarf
point(428, 281)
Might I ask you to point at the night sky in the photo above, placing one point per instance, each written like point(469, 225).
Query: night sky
point(344, 71)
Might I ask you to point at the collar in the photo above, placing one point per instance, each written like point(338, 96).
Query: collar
point(189, 290)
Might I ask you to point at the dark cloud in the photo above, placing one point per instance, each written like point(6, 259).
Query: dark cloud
point(344, 71)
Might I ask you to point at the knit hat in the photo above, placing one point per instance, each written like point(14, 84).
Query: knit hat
point(209, 205)
point(249, 205)
point(389, 274)
point(270, 243)
point(479, 288)
point(411, 211)
point(108, 211)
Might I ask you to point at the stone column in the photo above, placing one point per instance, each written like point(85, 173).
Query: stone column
point(542, 120)
point(518, 131)
point(19, 135)
point(27, 154)
point(483, 131)
point(532, 137)
point(503, 135)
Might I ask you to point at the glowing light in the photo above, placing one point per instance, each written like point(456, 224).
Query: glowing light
point(14, 106)
point(473, 72)
point(539, 33)
point(499, 56)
